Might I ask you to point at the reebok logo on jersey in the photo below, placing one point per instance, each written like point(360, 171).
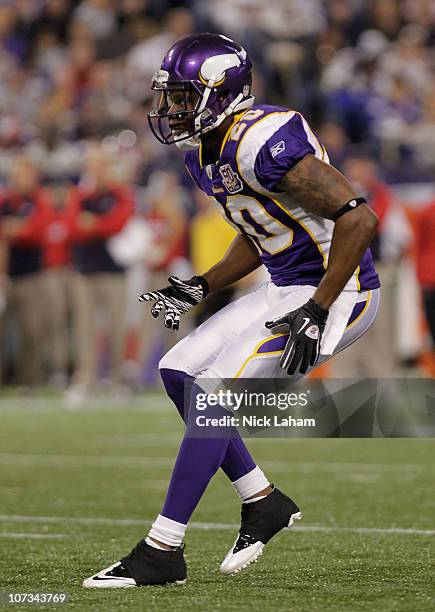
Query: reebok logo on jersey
point(277, 148)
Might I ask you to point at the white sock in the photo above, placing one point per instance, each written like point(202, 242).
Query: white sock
point(167, 531)
point(250, 484)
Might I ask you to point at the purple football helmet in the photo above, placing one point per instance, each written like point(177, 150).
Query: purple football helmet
point(208, 77)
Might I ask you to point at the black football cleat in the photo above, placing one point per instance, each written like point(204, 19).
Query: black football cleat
point(261, 520)
point(144, 566)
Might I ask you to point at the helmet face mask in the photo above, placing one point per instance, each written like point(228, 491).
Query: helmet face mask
point(173, 103)
point(204, 79)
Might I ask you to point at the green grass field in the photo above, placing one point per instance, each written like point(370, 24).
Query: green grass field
point(77, 490)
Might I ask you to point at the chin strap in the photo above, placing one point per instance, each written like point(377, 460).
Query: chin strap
point(187, 144)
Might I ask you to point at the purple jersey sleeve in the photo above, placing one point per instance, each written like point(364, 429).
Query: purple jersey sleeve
point(288, 145)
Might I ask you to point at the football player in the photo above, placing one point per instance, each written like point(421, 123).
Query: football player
point(270, 178)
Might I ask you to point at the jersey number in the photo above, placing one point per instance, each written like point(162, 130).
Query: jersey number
point(241, 126)
point(272, 235)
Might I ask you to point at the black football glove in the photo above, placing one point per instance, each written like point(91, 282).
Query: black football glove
point(306, 326)
point(177, 299)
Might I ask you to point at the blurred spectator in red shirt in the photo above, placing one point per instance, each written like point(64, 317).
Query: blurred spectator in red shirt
point(425, 250)
point(167, 221)
point(98, 209)
point(24, 214)
point(56, 282)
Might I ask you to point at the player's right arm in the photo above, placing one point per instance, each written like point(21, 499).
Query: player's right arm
point(181, 296)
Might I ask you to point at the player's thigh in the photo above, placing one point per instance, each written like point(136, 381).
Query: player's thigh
point(199, 349)
point(363, 317)
point(257, 352)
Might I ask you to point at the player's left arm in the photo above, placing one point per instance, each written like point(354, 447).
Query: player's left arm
point(322, 190)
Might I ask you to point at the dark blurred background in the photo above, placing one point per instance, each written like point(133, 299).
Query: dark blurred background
point(93, 210)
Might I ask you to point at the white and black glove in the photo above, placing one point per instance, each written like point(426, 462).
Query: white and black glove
point(177, 299)
point(305, 327)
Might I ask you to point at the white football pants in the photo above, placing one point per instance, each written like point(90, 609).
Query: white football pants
point(235, 343)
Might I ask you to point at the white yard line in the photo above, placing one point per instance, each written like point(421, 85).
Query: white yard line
point(79, 520)
point(380, 530)
point(126, 461)
point(98, 461)
point(31, 536)
point(314, 466)
point(155, 405)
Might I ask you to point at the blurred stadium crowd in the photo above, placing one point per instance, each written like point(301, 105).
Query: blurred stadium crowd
point(93, 210)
